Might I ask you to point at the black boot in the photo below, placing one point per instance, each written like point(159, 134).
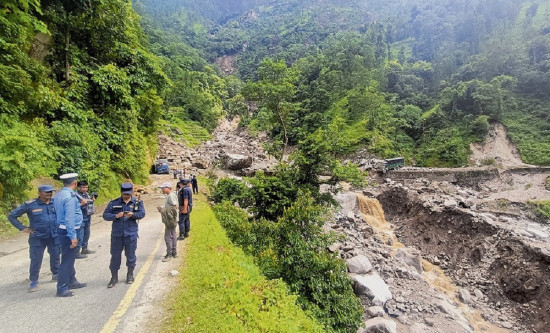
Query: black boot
point(130, 275)
point(174, 254)
point(114, 279)
point(86, 251)
point(181, 237)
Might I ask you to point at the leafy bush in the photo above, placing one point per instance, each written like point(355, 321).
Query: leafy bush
point(294, 249)
point(228, 189)
point(26, 152)
point(221, 289)
point(542, 208)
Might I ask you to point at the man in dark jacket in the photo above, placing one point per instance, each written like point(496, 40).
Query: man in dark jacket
point(124, 212)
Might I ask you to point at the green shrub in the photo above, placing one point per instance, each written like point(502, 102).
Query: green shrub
point(26, 152)
point(542, 208)
point(221, 289)
point(294, 249)
point(228, 189)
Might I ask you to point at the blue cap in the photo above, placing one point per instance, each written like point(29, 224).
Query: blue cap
point(127, 188)
point(45, 188)
point(185, 181)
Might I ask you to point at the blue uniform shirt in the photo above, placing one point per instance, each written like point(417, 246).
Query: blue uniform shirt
point(188, 194)
point(42, 218)
point(124, 226)
point(69, 214)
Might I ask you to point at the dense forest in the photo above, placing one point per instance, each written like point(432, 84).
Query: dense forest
point(86, 86)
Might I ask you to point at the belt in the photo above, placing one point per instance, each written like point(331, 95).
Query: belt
point(62, 226)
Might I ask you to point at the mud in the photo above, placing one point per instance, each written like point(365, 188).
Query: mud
point(513, 275)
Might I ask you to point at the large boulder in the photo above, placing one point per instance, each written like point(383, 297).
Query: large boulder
point(379, 325)
point(372, 286)
point(411, 257)
point(236, 161)
point(201, 163)
point(359, 265)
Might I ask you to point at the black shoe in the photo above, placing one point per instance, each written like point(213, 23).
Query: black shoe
point(81, 256)
point(130, 275)
point(174, 254)
point(112, 283)
point(181, 237)
point(86, 251)
point(77, 285)
point(66, 293)
point(114, 279)
point(167, 257)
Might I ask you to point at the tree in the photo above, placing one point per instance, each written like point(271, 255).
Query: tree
point(275, 91)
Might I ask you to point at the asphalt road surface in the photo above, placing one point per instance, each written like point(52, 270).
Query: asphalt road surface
point(94, 308)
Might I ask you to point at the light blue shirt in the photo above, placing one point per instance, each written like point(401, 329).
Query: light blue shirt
point(69, 214)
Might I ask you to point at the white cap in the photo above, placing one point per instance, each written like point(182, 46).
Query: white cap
point(68, 176)
point(166, 184)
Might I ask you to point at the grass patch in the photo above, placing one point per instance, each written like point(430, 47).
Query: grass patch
point(192, 134)
point(222, 290)
point(542, 208)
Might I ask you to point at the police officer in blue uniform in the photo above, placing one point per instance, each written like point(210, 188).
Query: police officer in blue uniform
point(69, 218)
point(42, 232)
point(87, 206)
point(185, 198)
point(125, 213)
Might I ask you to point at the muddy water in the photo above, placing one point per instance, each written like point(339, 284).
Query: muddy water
point(373, 214)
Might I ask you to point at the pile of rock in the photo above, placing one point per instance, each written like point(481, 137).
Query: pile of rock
point(231, 148)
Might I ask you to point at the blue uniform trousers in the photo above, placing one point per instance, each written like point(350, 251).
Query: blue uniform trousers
point(86, 231)
point(36, 253)
point(126, 243)
point(184, 222)
point(80, 237)
point(67, 273)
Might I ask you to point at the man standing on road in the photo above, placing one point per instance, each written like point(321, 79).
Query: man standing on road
point(87, 206)
point(42, 232)
point(186, 205)
point(195, 184)
point(169, 215)
point(69, 218)
point(124, 212)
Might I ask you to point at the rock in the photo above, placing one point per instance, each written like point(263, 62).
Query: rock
point(450, 203)
point(411, 257)
point(379, 325)
point(507, 325)
point(376, 311)
point(536, 232)
point(347, 201)
point(359, 265)
point(372, 286)
point(478, 294)
point(348, 247)
point(174, 273)
point(420, 328)
point(334, 247)
point(464, 296)
point(429, 322)
point(201, 163)
point(237, 161)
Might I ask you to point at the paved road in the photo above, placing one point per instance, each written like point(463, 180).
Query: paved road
point(94, 308)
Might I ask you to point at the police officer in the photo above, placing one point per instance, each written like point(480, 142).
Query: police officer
point(87, 206)
point(42, 232)
point(69, 218)
point(124, 212)
point(195, 184)
point(185, 199)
